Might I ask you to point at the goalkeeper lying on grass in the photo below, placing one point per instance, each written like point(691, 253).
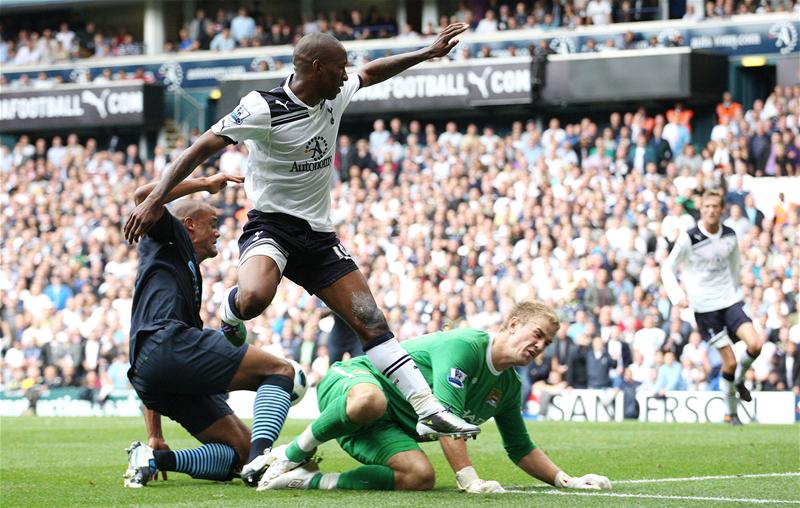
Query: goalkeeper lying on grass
point(469, 370)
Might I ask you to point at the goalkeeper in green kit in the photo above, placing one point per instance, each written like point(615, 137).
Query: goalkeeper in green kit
point(468, 370)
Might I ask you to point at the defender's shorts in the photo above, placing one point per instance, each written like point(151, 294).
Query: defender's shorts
point(381, 440)
point(184, 373)
point(718, 327)
point(308, 258)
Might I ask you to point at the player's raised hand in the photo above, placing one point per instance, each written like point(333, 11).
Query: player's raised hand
point(141, 220)
point(157, 443)
point(446, 40)
point(220, 180)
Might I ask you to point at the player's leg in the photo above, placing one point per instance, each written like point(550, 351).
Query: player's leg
point(727, 383)
point(209, 419)
point(350, 398)
point(350, 297)
point(258, 277)
point(262, 258)
point(740, 324)
point(406, 470)
point(272, 380)
point(711, 326)
point(184, 361)
point(392, 461)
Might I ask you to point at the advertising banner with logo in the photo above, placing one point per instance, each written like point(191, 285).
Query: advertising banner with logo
point(674, 407)
point(764, 34)
point(123, 104)
point(709, 407)
point(473, 83)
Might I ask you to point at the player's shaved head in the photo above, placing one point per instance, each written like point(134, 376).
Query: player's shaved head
point(316, 46)
point(189, 208)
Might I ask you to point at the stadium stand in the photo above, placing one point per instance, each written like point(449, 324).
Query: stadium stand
point(450, 226)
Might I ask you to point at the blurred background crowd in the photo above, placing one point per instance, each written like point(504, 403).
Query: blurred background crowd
point(229, 28)
point(451, 224)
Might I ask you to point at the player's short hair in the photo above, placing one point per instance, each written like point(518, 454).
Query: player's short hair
point(532, 309)
point(187, 208)
point(714, 193)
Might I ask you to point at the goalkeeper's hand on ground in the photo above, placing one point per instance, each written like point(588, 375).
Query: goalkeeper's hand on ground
point(469, 482)
point(589, 481)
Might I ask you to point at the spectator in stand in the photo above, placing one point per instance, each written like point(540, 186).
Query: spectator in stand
point(598, 365)
point(599, 12)
point(242, 27)
point(223, 41)
point(199, 28)
point(186, 42)
point(488, 24)
point(728, 108)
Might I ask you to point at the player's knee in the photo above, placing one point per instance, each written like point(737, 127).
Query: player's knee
point(365, 403)
point(366, 311)
point(252, 302)
point(282, 367)
point(415, 476)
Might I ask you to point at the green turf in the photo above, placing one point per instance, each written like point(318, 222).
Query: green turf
point(61, 462)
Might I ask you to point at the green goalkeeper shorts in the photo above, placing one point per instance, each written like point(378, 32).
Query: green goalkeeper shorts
point(376, 443)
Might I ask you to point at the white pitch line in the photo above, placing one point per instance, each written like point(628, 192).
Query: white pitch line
point(656, 496)
point(703, 478)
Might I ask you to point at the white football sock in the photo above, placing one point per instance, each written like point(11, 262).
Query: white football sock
point(729, 391)
point(226, 313)
point(742, 366)
point(329, 481)
point(306, 440)
point(396, 364)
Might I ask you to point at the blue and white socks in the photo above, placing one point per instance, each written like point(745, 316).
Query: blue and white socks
point(270, 408)
point(212, 461)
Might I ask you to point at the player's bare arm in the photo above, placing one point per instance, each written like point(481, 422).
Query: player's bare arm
point(212, 185)
point(149, 211)
point(155, 436)
point(384, 68)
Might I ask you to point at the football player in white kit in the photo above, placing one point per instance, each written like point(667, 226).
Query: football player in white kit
point(710, 253)
point(290, 132)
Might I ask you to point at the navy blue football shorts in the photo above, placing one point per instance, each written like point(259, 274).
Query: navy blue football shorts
point(311, 259)
point(718, 327)
point(184, 373)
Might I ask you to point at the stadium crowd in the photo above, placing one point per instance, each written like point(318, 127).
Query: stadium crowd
point(451, 227)
point(229, 29)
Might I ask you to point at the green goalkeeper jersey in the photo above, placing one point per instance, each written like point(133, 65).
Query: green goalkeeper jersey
point(457, 365)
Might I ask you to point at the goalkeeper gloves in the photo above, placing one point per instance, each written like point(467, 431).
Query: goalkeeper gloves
point(468, 481)
point(589, 481)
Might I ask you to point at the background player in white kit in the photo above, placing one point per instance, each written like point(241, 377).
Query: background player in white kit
point(290, 133)
point(710, 255)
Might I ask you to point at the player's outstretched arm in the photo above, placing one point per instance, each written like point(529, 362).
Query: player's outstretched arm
point(212, 184)
point(149, 211)
point(455, 450)
point(539, 465)
point(384, 68)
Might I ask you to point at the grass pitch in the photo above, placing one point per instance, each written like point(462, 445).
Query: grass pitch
point(64, 462)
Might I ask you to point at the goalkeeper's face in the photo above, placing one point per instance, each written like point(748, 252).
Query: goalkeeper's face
point(528, 340)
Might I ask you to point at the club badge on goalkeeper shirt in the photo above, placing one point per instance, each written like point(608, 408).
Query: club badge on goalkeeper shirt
point(494, 397)
point(457, 377)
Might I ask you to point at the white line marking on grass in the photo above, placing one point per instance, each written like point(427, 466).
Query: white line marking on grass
point(703, 478)
point(658, 496)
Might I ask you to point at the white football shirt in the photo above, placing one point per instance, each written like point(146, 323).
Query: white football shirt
point(291, 148)
point(711, 271)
